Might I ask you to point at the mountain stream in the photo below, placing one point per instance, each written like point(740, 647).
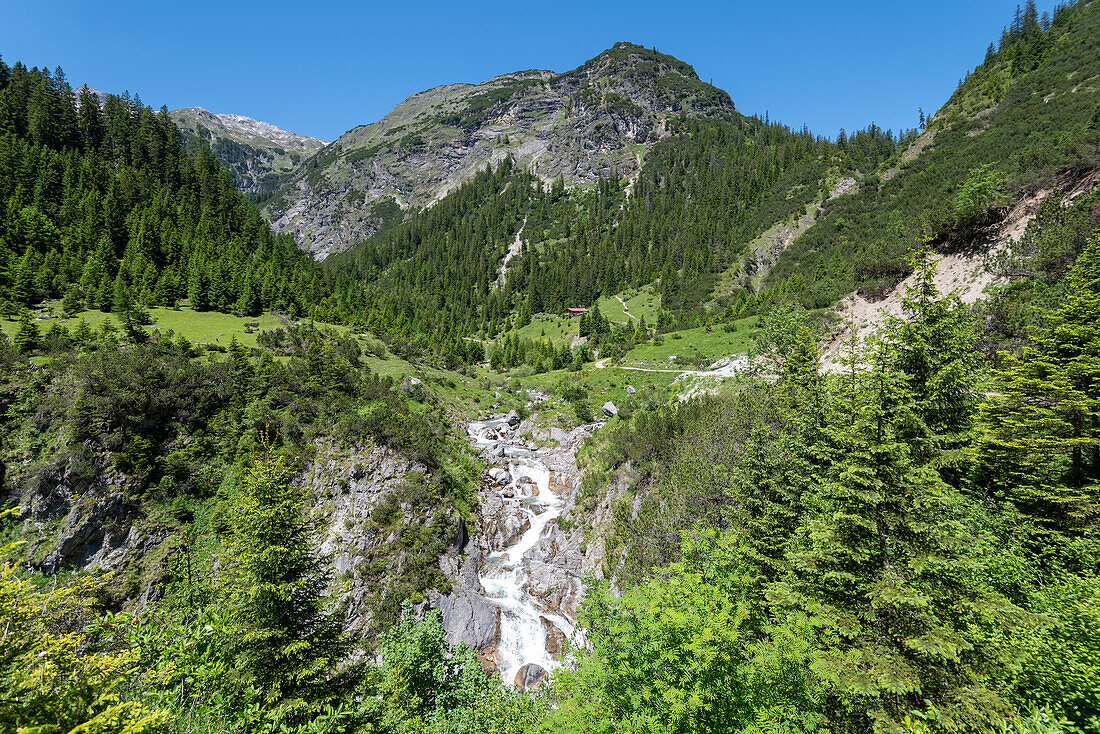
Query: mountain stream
point(530, 567)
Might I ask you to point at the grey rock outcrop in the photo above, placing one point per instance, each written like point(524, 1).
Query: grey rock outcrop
point(470, 618)
point(499, 527)
point(346, 485)
point(96, 529)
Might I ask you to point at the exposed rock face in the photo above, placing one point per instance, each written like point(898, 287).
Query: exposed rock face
point(345, 487)
point(555, 566)
point(96, 528)
point(582, 125)
point(258, 153)
point(530, 677)
point(468, 617)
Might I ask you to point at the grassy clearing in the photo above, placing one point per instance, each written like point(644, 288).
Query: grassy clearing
point(639, 301)
point(554, 328)
point(600, 385)
point(694, 344)
point(465, 397)
point(482, 392)
point(200, 327)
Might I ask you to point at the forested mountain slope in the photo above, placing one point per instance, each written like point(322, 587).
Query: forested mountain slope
point(1026, 119)
point(703, 192)
point(1021, 123)
point(105, 205)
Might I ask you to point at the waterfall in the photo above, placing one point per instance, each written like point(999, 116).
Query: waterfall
point(533, 492)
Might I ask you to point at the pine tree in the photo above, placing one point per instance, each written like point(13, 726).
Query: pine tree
point(884, 567)
point(121, 300)
point(283, 637)
point(641, 331)
point(27, 336)
point(523, 318)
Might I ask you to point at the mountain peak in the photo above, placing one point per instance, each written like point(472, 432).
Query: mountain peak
point(583, 125)
point(627, 55)
point(257, 152)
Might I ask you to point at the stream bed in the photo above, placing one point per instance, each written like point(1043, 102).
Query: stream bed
point(529, 568)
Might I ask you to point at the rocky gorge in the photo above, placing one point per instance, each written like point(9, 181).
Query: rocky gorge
point(519, 585)
point(514, 573)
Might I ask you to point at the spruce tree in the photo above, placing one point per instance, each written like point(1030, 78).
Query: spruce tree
point(282, 636)
point(23, 288)
point(27, 336)
point(884, 568)
point(1041, 449)
point(198, 290)
point(933, 347)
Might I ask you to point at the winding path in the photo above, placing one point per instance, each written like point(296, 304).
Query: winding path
point(625, 309)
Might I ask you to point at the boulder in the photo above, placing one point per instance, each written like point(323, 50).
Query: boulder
point(555, 638)
point(609, 409)
point(470, 618)
point(512, 418)
point(490, 661)
point(502, 523)
point(630, 390)
point(530, 677)
point(500, 476)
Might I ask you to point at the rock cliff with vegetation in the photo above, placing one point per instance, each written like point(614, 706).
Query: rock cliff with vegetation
point(589, 123)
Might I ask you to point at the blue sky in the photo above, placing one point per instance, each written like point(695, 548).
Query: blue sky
point(321, 68)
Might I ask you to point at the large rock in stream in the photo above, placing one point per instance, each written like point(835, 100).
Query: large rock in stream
point(470, 618)
point(530, 677)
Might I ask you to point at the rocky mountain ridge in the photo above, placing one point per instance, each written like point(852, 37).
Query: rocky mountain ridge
point(581, 125)
point(258, 153)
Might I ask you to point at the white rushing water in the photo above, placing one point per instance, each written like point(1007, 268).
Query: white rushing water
point(505, 573)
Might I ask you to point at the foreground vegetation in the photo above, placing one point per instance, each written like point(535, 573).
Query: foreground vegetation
point(908, 545)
